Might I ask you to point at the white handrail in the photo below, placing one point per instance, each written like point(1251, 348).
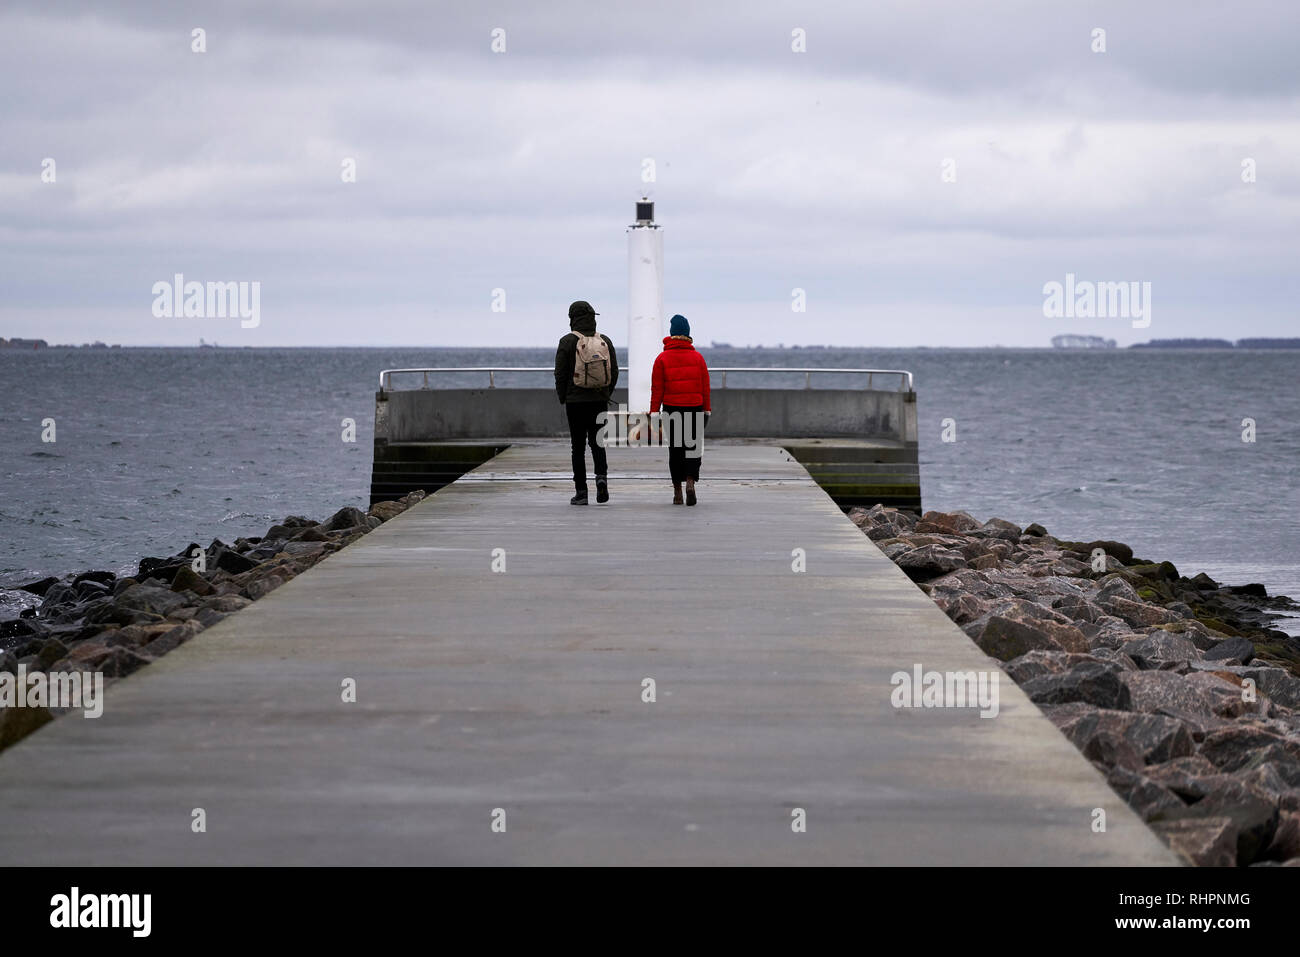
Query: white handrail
point(386, 384)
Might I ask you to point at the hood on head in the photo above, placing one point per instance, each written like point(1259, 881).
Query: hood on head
point(584, 325)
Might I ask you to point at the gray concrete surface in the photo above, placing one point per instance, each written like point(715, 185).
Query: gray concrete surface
point(434, 415)
point(522, 690)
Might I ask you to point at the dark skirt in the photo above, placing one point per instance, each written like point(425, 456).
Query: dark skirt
point(685, 442)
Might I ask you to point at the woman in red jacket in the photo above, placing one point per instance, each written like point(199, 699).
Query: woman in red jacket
point(680, 383)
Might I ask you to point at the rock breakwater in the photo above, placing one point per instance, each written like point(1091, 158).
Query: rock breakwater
point(1177, 689)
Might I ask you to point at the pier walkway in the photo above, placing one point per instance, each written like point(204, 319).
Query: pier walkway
point(521, 690)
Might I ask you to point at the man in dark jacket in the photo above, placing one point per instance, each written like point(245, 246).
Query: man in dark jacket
point(582, 405)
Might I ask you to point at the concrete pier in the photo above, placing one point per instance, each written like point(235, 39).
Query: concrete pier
point(522, 690)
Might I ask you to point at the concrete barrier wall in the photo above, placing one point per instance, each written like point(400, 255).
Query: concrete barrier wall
point(859, 445)
point(433, 415)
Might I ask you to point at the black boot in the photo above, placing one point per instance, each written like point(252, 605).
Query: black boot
point(690, 491)
point(602, 489)
point(580, 498)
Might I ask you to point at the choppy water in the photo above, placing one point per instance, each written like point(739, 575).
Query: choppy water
point(158, 447)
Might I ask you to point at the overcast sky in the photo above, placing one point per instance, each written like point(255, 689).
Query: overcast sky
point(775, 169)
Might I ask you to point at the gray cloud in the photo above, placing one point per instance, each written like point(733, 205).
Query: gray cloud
point(775, 170)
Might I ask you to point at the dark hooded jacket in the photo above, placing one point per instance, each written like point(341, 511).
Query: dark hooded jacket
point(565, 353)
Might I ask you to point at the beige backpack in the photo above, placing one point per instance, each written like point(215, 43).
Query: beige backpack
point(591, 363)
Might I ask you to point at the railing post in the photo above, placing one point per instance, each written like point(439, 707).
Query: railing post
point(724, 378)
point(492, 379)
point(807, 380)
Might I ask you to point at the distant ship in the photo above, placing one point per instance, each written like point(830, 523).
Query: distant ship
point(1082, 342)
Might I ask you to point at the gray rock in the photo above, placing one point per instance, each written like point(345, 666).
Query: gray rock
point(1170, 694)
point(226, 604)
point(1232, 651)
point(1139, 614)
point(1113, 586)
point(1160, 649)
point(1154, 738)
point(1006, 638)
point(1234, 746)
point(1221, 696)
point(1141, 793)
point(207, 617)
point(1205, 842)
point(1116, 657)
point(51, 651)
point(1078, 609)
point(929, 561)
point(172, 639)
point(1253, 815)
point(345, 518)
point(1042, 661)
point(1001, 530)
point(1285, 845)
point(1183, 775)
point(1094, 682)
point(149, 598)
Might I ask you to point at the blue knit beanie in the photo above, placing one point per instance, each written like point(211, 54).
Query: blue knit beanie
point(678, 326)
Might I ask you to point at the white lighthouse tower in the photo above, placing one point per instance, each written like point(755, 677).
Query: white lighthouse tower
point(645, 303)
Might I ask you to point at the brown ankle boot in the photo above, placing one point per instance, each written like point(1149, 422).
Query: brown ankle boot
point(677, 493)
point(690, 491)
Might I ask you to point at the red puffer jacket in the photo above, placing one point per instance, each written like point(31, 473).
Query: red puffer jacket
point(680, 376)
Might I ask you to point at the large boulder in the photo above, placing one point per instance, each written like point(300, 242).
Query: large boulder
point(1154, 738)
point(149, 598)
point(1042, 661)
point(1286, 838)
point(187, 579)
point(1116, 550)
point(951, 523)
point(1141, 793)
point(929, 561)
point(347, 517)
point(1253, 814)
point(1222, 694)
point(1161, 649)
point(1236, 745)
point(1094, 682)
point(1140, 614)
point(1277, 684)
point(1204, 842)
point(1184, 775)
point(1238, 651)
point(1171, 694)
point(1114, 586)
point(1006, 638)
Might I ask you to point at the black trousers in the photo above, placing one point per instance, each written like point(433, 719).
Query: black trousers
point(582, 432)
point(684, 439)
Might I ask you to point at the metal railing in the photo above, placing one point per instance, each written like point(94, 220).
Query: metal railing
point(904, 377)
